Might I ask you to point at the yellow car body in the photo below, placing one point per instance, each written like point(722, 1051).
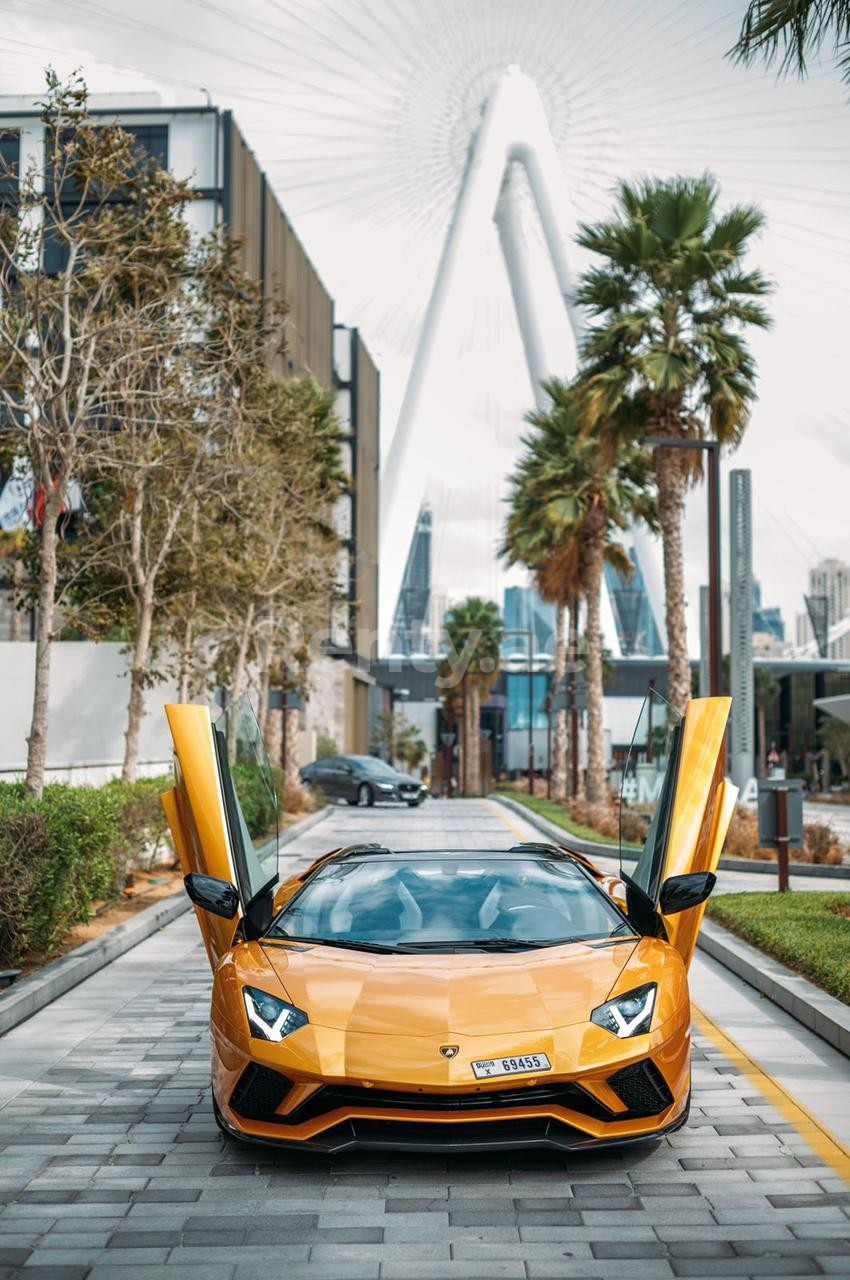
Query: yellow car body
point(384, 1057)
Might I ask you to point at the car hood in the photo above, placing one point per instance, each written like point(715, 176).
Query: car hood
point(477, 994)
point(395, 777)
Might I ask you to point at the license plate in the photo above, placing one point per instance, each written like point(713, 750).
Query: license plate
point(528, 1062)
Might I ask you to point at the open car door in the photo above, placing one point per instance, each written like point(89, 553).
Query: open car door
point(674, 783)
point(222, 811)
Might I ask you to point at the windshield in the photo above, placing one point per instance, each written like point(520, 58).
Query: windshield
point(646, 793)
point(249, 796)
point(406, 900)
point(371, 764)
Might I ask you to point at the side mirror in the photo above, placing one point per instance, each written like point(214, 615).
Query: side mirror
point(217, 896)
point(348, 768)
point(681, 892)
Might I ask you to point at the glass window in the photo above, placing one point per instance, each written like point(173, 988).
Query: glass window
point(647, 792)
point(371, 764)
point(250, 798)
point(408, 900)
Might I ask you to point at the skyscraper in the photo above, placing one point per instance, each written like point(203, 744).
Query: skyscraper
point(411, 623)
point(634, 619)
point(525, 612)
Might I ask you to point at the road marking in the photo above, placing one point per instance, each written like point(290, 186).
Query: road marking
point(822, 1142)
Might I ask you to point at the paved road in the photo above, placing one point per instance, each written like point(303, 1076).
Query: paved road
point(111, 1165)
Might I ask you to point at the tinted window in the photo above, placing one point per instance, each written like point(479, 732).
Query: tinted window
point(647, 792)
point(250, 798)
point(372, 765)
point(405, 899)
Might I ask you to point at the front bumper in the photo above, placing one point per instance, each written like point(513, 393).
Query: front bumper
point(638, 1091)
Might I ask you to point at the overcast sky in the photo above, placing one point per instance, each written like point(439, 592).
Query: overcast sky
point(361, 111)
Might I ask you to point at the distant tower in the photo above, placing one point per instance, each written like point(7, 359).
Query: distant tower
point(742, 735)
point(412, 614)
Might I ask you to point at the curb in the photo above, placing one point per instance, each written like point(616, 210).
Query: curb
point(762, 866)
point(822, 1013)
point(40, 989)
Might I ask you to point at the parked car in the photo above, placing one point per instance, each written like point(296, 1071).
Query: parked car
point(363, 780)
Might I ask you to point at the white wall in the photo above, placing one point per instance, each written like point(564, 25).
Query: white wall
point(87, 716)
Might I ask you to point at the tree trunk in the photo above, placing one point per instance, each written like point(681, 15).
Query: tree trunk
point(186, 654)
point(293, 721)
point(189, 626)
point(572, 653)
point(37, 740)
point(671, 490)
point(138, 672)
point(474, 709)
point(558, 763)
point(238, 682)
point(762, 725)
point(263, 695)
point(597, 792)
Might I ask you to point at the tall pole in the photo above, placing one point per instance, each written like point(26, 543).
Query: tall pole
point(530, 724)
point(549, 744)
point(573, 702)
point(715, 623)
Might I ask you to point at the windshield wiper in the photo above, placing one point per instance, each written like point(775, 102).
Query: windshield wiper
point(333, 942)
point(482, 944)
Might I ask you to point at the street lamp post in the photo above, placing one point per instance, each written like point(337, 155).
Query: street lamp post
point(448, 741)
point(715, 623)
point(530, 724)
point(548, 708)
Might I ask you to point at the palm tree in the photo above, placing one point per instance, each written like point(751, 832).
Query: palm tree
point(549, 548)
point(799, 28)
point(474, 630)
point(572, 491)
point(766, 691)
point(666, 354)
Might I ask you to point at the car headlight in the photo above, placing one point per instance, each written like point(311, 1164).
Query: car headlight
point(629, 1014)
point(270, 1018)
point(386, 786)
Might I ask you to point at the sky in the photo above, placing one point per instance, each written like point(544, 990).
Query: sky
point(361, 111)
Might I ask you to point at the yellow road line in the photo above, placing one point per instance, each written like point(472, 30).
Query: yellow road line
point(823, 1143)
point(506, 818)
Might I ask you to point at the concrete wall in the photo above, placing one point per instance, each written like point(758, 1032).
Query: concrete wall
point(89, 688)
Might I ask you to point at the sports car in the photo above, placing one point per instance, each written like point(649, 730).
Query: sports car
point(450, 999)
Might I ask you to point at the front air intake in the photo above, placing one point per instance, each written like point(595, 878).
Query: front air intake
point(642, 1088)
point(259, 1092)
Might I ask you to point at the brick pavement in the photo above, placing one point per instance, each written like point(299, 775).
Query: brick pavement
point(111, 1164)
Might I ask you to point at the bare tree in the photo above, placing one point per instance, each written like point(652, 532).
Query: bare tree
point(84, 248)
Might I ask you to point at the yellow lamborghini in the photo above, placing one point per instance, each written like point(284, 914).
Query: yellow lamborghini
point(450, 999)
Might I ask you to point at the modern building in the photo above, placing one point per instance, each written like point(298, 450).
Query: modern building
point(411, 624)
point(203, 146)
point(829, 603)
point(634, 618)
point(767, 619)
point(529, 623)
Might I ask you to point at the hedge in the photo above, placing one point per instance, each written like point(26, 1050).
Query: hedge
point(63, 852)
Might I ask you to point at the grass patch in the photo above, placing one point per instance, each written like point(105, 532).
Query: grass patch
point(554, 812)
point(809, 932)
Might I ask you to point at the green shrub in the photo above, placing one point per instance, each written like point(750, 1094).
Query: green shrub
point(57, 857)
point(145, 833)
point(62, 853)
